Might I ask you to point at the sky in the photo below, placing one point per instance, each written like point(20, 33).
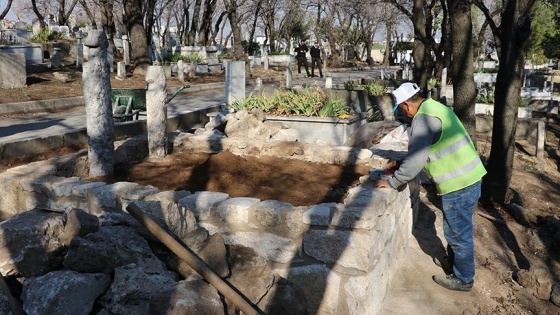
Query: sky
point(11, 15)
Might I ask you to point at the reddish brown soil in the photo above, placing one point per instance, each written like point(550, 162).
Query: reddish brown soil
point(296, 182)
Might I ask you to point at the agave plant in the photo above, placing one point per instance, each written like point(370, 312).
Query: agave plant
point(314, 103)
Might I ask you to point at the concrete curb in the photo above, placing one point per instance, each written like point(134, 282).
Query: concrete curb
point(78, 137)
point(40, 106)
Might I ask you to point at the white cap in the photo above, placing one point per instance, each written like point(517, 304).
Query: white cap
point(405, 91)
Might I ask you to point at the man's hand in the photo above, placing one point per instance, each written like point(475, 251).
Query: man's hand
point(391, 167)
point(381, 183)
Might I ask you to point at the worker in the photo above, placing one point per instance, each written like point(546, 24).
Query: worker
point(441, 146)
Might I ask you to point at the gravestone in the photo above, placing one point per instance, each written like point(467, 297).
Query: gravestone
point(56, 59)
point(235, 81)
point(36, 24)
point(79, 49)
point(121, 70)
point(126, 50)
point(12, 71)
point(65, 30)
point(214, 65)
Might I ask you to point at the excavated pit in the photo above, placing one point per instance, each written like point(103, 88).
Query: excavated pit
point(299, 183)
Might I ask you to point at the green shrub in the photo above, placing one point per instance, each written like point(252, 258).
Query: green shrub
point(185, 58)
point(433, 83)
point(309, 104)
point(485, 98)
point(45, 35)
point(226, 55)
point(376, 88)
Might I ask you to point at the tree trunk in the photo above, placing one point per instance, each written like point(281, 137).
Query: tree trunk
point(464, 88)
point(515, 30)
point(231, 7)
point(204, 31)
point(254, 26)
point(62, 14)
point(194, 23)
point(217, 26)
point(89, 14)
point(387, 53)
point(40, 17)
point(184, 23)
point(108, 22)
point(150, 17)
point(420, 52)
point(138, 41)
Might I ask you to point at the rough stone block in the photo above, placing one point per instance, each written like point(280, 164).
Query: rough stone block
point(295, 220)
point(270, 212)
point(235, 210)
point(12, 71)
point(321, 287)
point(82, 190)
point(319, 214)
point(272, 247)
point(358, 290)
point(105, 198)
point(351, 250)
point(352, 217)
point(202, 202)
point(367, 196)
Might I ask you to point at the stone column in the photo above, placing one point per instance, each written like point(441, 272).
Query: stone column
point(265, 62)
point(328, 83)
point(181, 70)
point(156, 108)
point(235, 81)
point(121, 70)
point(126, 50)
point(97, 98)
point(192, 70)
point(258, 87)
point(110, 58)
point(541, 139)
point(289, 77)
point(79, 51)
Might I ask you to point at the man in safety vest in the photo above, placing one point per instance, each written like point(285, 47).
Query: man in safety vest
point(441, 146)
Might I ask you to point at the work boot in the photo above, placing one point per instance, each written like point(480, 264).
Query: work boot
point(453, 283)
point(444, 263)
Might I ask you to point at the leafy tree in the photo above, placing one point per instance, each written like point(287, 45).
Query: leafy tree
point(544, 33)
point(550, 42)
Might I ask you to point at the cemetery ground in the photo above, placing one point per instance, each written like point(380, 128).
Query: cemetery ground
point(517, 252)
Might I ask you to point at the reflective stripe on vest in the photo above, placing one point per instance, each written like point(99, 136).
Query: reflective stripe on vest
point(453, 162)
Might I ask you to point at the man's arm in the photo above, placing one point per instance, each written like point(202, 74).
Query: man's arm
point(425, 131)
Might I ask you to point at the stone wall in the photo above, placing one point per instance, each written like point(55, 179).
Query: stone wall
point(342, 255)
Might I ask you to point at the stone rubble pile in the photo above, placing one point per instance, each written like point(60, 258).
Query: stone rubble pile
point(78, 263)
point(250, 125)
